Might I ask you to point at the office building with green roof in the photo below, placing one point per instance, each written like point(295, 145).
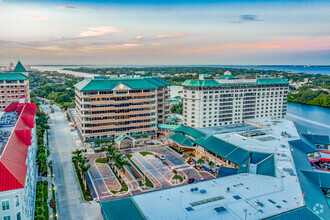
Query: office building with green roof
point(13, 86)
point(107, 108)
point(229, 100)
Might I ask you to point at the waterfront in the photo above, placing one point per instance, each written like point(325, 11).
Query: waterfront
point(314, 118)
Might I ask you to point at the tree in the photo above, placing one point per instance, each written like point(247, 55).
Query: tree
point(200, 161)
point(137, 138)
point(101, 142)
point(84, 168)
point(145, 138)
point(77, 152)
point(211, 164)
point(42, 160)
point(111, 152)
point(120, 161)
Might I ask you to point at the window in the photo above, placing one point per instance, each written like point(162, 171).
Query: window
point(17, 201)
point(6, 217)
point(5, 205)
point(18, 216)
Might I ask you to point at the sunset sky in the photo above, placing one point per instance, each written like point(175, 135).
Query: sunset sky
point(166, 32)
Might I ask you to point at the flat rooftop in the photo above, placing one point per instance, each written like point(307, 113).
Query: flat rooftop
point(7, 123)
point(244, 195)
point(261, 196)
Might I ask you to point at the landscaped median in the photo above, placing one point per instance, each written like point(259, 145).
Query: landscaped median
point(148, 181)
point(41, 209)
point(81, 167)
point(124, 187)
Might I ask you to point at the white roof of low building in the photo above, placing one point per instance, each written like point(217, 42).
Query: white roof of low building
point(276, 194)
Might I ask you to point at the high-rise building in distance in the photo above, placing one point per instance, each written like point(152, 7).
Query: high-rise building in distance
point(14, 85)
point(229, 100)
point(108, 108)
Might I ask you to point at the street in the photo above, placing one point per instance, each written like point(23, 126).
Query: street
point(69, 200)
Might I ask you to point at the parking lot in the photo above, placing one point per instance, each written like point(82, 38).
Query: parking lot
point(159, 167)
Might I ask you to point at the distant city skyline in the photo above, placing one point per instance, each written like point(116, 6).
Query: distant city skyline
point(165, 33)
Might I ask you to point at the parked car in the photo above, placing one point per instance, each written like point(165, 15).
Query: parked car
point(162, 157)
point(191, 180)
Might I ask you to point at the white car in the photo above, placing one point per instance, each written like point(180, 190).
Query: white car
point(162, 157)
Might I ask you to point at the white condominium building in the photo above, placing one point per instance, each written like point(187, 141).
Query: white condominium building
point(229, 100)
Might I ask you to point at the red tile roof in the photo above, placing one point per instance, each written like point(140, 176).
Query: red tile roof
point(12, 162)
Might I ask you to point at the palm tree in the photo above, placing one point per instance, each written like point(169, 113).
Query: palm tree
point(137, 138)
point(200, 161)
point(77, 159)
point(108, 142)
point(211, 164)
point(191, 155)
point(111, 152)
point(77, 152)
point(120, 161)
point(84, 168)
point(145, 138)
point(101, 142)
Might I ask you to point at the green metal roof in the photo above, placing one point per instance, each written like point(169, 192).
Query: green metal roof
point(189, 131)
point(200, 83)
point(19, 68)
point(267, 166)
point(123, 209)
point(304, 146)
point(182, 140)
point(317, 139)
point(229, 151)
point(13, 76)
point(300, 213)
point(227, 77)
point(167, 126)
point(310, 183)
point(210, 83)
point(272, 81)
point(121, 137)
point(109, 84)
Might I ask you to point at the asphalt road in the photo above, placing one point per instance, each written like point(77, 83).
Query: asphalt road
point(70, 204)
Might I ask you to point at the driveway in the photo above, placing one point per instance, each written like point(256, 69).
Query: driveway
point(69, 202)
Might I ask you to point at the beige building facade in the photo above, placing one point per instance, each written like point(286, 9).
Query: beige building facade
point(108, 108)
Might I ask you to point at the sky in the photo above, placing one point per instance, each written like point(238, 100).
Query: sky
point(151, 32)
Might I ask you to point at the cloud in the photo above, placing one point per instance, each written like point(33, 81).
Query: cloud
point(290, 45)
point(171, 35)
point(131, 45)
point(244, 18)
point(98, 31)
point(158, 44)
point(292, 38)
point(36, 17)
point(71, 7)
point(138, 38)
point(49, 48)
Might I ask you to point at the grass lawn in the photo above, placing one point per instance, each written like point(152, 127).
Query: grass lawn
point(123, 189)
point(178, 177)
point(146, 153)
point(101, 160)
